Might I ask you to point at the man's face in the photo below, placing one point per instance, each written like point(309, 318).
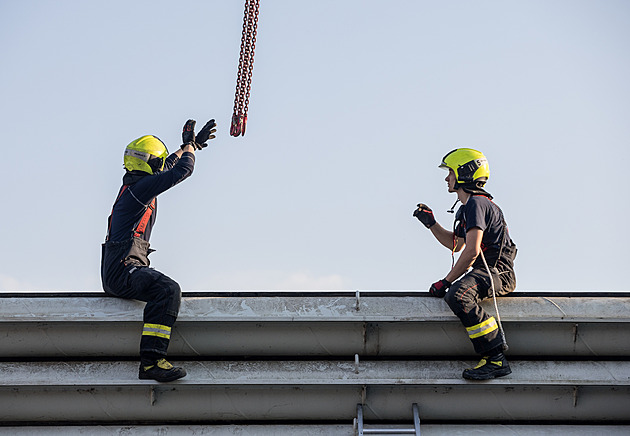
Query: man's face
point(451, 180)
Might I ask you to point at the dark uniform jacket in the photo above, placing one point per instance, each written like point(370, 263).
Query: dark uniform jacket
point(496, 244)
point(127, 242)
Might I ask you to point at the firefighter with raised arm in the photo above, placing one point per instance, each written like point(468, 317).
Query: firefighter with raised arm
point(486, 261)
point(125, 270)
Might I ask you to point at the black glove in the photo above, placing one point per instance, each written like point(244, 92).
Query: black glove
point(205, 134)
point(438, 289)
point(425, 215)
point(188, 133)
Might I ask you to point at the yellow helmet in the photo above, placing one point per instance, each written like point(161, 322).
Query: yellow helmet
point(147, 154)
point(469, 165)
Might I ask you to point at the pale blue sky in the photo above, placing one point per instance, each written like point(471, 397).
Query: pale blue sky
point(353, 105)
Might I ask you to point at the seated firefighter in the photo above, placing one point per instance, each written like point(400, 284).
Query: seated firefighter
point(125, 270)
point(481, 231)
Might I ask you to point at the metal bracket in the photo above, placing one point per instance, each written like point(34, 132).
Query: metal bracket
point(361, 430)
point(358, 297)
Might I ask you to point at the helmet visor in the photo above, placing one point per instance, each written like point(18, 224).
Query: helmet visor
point(156, 163)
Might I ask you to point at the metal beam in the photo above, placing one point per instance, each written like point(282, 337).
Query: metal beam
point(322, 308)
point(469, 429)
point(330, 326)
point(315, 391)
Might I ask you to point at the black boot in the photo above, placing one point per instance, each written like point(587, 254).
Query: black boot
point(161, 371)
point(488, 367)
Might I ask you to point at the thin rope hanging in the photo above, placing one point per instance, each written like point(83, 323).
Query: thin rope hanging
point(245, 67)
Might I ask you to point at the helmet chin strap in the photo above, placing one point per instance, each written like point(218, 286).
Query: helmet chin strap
point(452, 209)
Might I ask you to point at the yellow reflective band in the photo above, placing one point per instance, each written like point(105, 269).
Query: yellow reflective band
point(481, 363)
point(161, 331)
point(488, 326)
point(158, 326)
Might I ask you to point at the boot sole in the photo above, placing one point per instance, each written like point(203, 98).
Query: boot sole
point(162, 379)
point(494, 374)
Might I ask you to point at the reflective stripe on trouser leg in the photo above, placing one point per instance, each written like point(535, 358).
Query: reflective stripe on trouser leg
point(463, 298)
point(482, 329)
point(155, 339)
point(161, 331)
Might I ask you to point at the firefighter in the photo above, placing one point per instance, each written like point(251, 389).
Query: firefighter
point(125, 270)
point(481, 234)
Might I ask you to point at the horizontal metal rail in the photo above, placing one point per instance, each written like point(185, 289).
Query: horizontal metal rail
point(42, 340)
point(295, 373)
point(332, 308)
point(315, 293)
point(311, 326)
point(314, 390)
point(315, 430)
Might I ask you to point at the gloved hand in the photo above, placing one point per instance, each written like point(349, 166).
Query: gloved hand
point(188, 133)
point(205, 134)
point(425, 215)
point(438, 289)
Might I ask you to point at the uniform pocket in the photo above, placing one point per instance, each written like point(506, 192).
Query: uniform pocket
point(112, 266)
point(138, 254)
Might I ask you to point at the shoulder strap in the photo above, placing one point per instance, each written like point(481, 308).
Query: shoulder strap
point(141, 226)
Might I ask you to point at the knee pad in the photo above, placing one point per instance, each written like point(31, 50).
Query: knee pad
point(153, 286)
point(173, 295)
point(451, 299)
point(460, 297)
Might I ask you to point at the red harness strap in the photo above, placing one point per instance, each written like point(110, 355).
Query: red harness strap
point(142, 224)
point(138, 231)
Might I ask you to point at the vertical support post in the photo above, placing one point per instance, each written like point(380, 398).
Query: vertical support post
point(360, 419)
point(416, 418)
